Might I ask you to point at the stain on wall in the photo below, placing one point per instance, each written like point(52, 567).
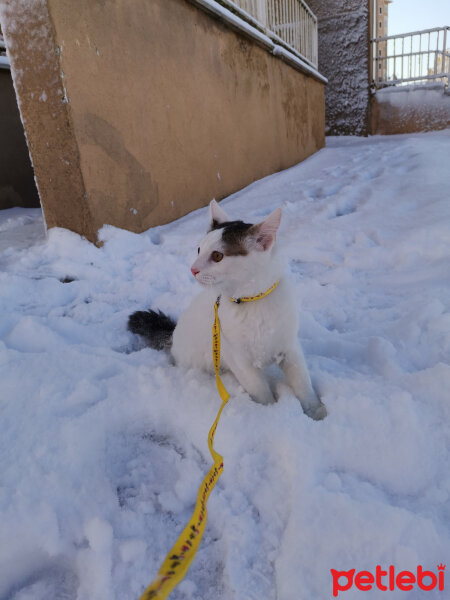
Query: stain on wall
point(138, 183)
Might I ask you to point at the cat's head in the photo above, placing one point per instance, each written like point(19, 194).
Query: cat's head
point(234, 251)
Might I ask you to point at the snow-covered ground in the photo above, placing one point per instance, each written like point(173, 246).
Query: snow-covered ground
point(103, 441)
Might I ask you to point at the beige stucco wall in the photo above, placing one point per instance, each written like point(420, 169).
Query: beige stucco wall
point(150, 109)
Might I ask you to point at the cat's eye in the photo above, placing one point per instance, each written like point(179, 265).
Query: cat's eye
point(198, 250)
point(216, 256)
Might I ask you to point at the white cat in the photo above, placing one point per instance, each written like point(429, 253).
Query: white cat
point(237, 260)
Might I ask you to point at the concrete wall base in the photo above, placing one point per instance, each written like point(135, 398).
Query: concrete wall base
point(409, 110)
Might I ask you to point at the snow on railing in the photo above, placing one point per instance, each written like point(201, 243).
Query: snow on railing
point(4, 61)
point(290, 22)
point(410, 58)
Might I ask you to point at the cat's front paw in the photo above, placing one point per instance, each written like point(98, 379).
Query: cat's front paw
point(317, 411)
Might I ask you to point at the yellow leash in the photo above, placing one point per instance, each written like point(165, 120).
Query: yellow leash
point(178, 560)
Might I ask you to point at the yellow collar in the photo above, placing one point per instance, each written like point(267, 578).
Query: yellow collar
point(257, 297)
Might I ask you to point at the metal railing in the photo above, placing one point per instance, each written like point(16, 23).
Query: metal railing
point(4, 61)
point(290, 22)
point(410, 58)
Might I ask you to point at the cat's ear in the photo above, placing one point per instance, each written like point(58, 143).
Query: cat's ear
point(264, 234)
point(217, 215)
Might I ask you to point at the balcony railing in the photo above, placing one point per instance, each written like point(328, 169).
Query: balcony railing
point(289, 22)
point(4, 61)
point(411, 58)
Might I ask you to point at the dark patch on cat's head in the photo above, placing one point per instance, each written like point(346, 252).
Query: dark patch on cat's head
point(227, 224)
point(233, 236)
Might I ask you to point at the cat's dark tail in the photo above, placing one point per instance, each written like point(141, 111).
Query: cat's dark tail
point(156, 327)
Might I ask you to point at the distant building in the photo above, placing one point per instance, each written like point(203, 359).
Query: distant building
point(442, 63)
point(382, 13)
point(380, 24)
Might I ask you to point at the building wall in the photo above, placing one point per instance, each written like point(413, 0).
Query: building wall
point(17, 187)
point(381, 18)
point(344, 33)
point(381, 22)
point(139, 112)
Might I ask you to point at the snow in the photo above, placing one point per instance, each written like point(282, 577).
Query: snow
point(103, 441)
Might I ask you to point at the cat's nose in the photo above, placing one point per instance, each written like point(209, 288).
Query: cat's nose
point(194, 271)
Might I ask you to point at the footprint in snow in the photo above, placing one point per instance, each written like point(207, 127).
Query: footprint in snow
point(54, 580)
